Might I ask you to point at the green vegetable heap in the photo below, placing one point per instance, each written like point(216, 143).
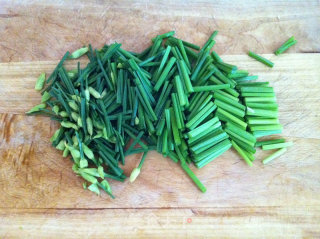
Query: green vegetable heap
point(174, 97)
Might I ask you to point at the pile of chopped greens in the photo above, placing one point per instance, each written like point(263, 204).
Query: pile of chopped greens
point(174, 97)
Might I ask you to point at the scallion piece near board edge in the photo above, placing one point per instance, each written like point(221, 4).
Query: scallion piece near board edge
point(285, 46)
point(261, 59)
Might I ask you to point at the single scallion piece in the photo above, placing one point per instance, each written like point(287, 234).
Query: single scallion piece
point(274, 155)
point(272, 141)
point(261, 59)
point(40, 82)
point(262, 133)
point(266, 127)
point(242, 153)
point(285, 46)
point(193, 177)
point(78, 53)
point(136, 171)
point(276, 146)
point(210, 87)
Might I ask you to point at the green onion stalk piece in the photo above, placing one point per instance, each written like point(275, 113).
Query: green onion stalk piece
point(261, 59)
point(136, 171)
point(285, 46)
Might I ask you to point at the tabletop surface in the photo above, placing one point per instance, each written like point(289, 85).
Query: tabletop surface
point(40, 197)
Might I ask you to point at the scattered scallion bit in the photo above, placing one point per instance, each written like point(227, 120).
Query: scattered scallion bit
point(193, 177)
point(78, 53)
point(40, 82)
point(274, 155)
point(37, 108)
point(45, 97)
point(136, 171)
point(242, 153)
point(272, 141)
point(261, 59)
point(276, 146)
point(285, 46)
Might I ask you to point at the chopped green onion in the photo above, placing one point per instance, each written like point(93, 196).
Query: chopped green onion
point(210, 87)
point(232, 118)
point(202, 127)
point(276, 146)
point(252, 89)
point(165, 35)
point(266, 127)
point(45, 97)
point(261, 59)
point(255, 94)
point(185, 77)
point(274, 155)
point(220, 96)
point(238, 74)
point(213, 153)
point(40, 82)
point(242, 153)
point(216, 57)
point(245, 79)
point(273, 141)
point(78, 53)
point(259, 99)
point(228, 95)
point(180, 91)
point(136, 171)
point(241, 135)
point(285, 46)
point(184, 104)
point(205, 144)
point(164, 73)
point(264, 121)
point(37, 108)
point(246, 147)
point(197, 119)
point(193, 177)
point(209, 132)
point(231, 109)
point(262, 112)
point(269, 106)
point(262, 133)
point(175, 130)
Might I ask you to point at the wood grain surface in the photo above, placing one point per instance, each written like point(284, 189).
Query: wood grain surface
point(237, 222)
point(40, 197)
point(44, 30)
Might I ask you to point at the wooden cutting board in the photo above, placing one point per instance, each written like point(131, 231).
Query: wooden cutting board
point(40, 196)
